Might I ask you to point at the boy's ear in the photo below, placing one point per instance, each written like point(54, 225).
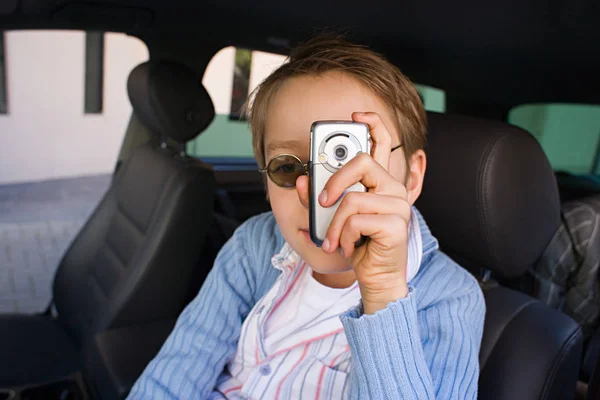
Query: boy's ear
point(415, 175)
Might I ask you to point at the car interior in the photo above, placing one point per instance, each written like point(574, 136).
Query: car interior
point(490, 196)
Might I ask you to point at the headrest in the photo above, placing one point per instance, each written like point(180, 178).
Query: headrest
point(489, 195)
point(170, 100)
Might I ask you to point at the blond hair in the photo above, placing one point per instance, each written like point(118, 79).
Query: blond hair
point(325, 54)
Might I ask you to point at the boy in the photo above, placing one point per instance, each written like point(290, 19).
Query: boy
point(280, 318)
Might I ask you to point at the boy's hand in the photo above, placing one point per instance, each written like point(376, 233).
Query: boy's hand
point(382, 214)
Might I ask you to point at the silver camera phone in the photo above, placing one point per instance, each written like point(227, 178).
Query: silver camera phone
point(332, 145)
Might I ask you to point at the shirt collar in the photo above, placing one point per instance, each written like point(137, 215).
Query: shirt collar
point(430, 243)
point(287, 258)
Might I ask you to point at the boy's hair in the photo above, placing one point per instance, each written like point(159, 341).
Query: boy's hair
point(326, 54)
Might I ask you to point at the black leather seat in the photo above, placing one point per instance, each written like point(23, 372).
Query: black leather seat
point(491, 199)
point(132, 260)
point(219, 232)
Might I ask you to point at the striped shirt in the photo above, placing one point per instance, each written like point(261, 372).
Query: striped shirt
point(292, 344)
point(313, 356)
point(425, 346)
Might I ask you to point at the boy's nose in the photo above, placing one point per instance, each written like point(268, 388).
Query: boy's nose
point(302, 189)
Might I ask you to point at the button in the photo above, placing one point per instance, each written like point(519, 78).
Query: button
point(265, 369)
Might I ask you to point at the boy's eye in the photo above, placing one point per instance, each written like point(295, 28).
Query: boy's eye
point(286, 168)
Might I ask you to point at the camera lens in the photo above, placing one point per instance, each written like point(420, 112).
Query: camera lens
point(340, 152)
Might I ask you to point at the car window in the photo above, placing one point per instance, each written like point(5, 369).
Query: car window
point(568, 133)
point(64, 110)
point(230, 76)
point(434, 99)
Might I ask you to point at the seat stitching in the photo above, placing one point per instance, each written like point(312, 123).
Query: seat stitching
point(94, 279)
point(130, 219)
point(482, 183)
point(116, 254)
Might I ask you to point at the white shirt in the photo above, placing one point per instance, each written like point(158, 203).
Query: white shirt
point(292, 344)
point(308, 304)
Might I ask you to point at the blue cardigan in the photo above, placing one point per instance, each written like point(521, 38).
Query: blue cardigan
point(425, 346)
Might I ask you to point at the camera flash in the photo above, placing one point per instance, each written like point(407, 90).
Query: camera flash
point(323, 158)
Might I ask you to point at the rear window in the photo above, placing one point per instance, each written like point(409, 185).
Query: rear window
point(434, 99)
point(568, 133)
point(230, 76)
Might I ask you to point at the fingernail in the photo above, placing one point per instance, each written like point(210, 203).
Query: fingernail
point(341, 252)
point(323, 197)
point(325, 244)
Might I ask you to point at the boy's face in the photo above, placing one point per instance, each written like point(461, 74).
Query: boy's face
point(299, 102)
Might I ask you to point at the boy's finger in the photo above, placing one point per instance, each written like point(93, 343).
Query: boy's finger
point(380, 137)
point(363, 203)
point(377, 227)
point(365, 170)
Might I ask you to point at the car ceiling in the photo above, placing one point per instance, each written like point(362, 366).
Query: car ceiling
point(497, 53)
